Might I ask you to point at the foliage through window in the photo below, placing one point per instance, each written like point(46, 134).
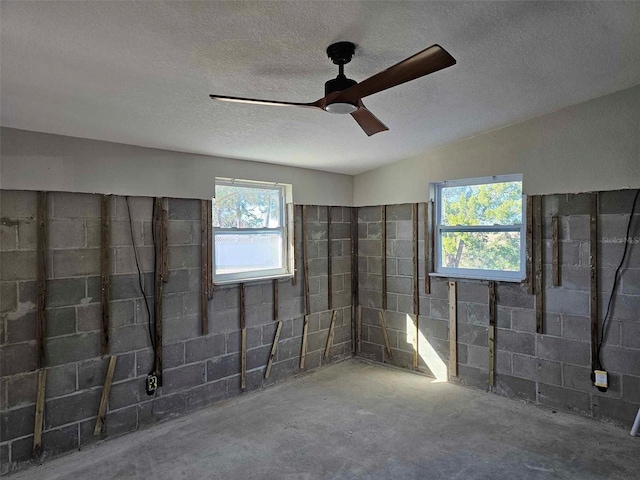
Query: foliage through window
point(479, 231)
point(250, 231)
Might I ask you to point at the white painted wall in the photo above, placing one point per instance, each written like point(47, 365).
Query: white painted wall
point(591, 146)
point(40, 161)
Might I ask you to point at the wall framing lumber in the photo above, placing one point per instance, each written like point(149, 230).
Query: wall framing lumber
point(538, 265)
point(243, 339)
point(492, 332)
point(383, 224)
point(555, 246)
point(41, 276)
point(105, 225)
point(294, 279)
point(303, 350)
point(453, 330)
point(276, 308)
point(211, 286)
point(329, 269)
point(385, 335)
point(274, 349)
point(39, 414)
point(354, 280)
point(305, 261)
point(593, 275)
point(359, 328)
point(529, 246)
point(160, 229)
point(432, 240)
point(205, 267)
point(327, 348)
point(102, 409)
point(427, 207)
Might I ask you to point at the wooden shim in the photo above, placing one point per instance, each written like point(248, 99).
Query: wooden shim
point(329, 266)
point(294, 280)
point(305, 261)
point(359, 328)
point(104, 271)
point(538, 265)
point(39, 415)
point(383, 326)
point(204, 272)
point(556, 251)
point(275, 299)
point(354, 278)
point(492, 332)
point(274, 349)
point(529, 247)
point(211, 286)
point(453, 331)
point(383, 214)
point(243, 348)
point(303, 351)
point(159, 227)
point(41, 277)
point(102, 410)
point(416, 281)
point(425, 227)
point(593, 273)
point(327, 349)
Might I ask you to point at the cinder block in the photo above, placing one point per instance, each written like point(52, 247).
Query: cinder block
point(124, 286)
point(93, 231)
point(20, 327)
point(179, 232)
point(173, 306)
point(478, 357)
point(563, 398)
point(121, 313)
point(120, 233)
point(16, 204)
point(631, 388)
point(60, 321)
point(206, 394)
point(515, 387)
point(504, 362)
point(66, 233)
point(621, 412)
point(258, 357)
point(401, 285)
point(75, 205)
point(626, 307)
point(17, 358)
point(621, 360)
point(180, 329)
point(204, 347)
point(184, 256)
point(8, 296)
point(75, 263)
point(578, 328)
point(65, 291)
point(94, 289)
point(161, 408)
point(127, 393)
point(369, 248)
point(372, 351)
point(184, 209)
point(434, 328)
point(578, 226)
point(472, 376)
point(400, 212)
point(71, 408)
point(173, 355)
point(630, 282)
point(221, 367)
point(27, 235)
point(400, 248)
point(177, 379)
point(115, 423)
point(473, 292)
point(473, 335)
point(21, 390)
point(514, 295)
point(473, 313)
point(369, 214)
point(93, 372)
point(538, 370)
point(563, 350)
point(61, 380)
point(89, 317)
point(141, 208)
point(72, 348)
point(440, 309)
point(8, 235)
point(577, 378)
point(4, 459)
point(515, 341)
point(574, 302)
point(17, 265)
point(289, 348)
point(523, 320)
point(124, 260)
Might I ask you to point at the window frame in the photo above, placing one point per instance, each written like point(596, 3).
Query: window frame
point(473, 273)
point(284, 230)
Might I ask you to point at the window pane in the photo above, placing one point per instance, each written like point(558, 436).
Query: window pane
point(481, 250)
point(488, 204)
point(246, 207)
point(248, 252)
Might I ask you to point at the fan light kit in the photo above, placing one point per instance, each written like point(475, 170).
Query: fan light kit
point(343, 95)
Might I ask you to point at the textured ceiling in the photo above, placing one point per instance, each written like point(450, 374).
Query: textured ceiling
point(139, 72)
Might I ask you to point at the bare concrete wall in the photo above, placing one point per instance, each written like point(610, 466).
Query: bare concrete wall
point(198, 370)
point(42, 161)
point(552, 368)
point(587, 147)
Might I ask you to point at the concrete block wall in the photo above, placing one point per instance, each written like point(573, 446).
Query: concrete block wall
point(198, 370)
point(552, 368)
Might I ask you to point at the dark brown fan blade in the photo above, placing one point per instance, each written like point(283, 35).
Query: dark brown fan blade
point(255, 101)
point(423, 63)
point(368, 121)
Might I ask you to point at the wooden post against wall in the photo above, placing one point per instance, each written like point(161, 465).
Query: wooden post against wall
point(204, 271)
point(105, 218)
point(303, 351)
point(276, 308)
point(161, 265)
point(102, 409)
point(329, 266)
point(383, 227)
point(492, 333)
point(416, 285)
point(529, 247)
point(453, 330)
point(211, 286)
point(425, 227)
point(243, 339)
point(432, 239)
point(593, 273)
point(354, 279)
point(385, 335)
point(555, 251)
point(359, 328)
point(294, 279)
point(538, 263)
point(274, 349)
point(41, 276)
point(305, 261)
point(332, 325)
point(39, 415)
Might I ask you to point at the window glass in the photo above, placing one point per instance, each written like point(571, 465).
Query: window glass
point(246, 207)
point(497, 203)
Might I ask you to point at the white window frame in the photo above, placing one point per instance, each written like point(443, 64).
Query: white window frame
point(472, 273)
point(284, 229)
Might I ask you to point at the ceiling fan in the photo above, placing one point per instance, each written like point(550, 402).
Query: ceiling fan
point(343, 95)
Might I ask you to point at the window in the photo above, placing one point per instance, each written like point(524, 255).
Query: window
point(250, 234)
point(479, 228)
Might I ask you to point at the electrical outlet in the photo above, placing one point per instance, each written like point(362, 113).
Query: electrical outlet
point(600, 379)
point(152, 384)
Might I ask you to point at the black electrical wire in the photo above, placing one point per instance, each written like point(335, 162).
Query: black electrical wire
point(616, 277)
point(135, 254)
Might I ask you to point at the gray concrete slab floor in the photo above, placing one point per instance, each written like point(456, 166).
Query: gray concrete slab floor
point(358, 420)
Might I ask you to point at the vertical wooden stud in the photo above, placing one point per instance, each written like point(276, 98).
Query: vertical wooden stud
point(416, 285)
point(209, 221)
point(294, 279)
point(275, 299)
point(385, 336)
point(327, 348)
point(39, 415)
point(243, 339)
point(453, 330)
point(329, 266)
point(102, 409)
point(160, 250)
point(274, 349)
point(165, 243)
point(354, 279)
point(529, 246)
point(105, 218)
point(538, 264)
point(41, 277)
point(492, 332)
point(383, 214)
point(425, 226)
point(432, 239)
point(556, 251)
point(593, 273)
point(359, 328)
point(303, 352)
point(305, 261)
point(205, 267)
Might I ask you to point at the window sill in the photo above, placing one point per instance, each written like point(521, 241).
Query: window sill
point(237, 281)
point(476, 277)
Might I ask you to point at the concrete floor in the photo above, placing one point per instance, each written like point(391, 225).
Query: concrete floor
point(357, 420)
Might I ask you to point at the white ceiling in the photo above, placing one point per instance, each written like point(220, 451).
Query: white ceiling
point(139, 72)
